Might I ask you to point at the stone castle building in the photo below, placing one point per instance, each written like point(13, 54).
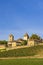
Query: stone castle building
point(30, 42)
point(13, 43)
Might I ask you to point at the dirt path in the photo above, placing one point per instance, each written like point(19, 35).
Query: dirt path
point(22, 57)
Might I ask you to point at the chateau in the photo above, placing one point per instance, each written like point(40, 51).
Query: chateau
point(12, 43)
point(30, 42)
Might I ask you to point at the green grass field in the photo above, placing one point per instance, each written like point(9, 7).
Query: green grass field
point(21, 53)
point(22, 62)
point(30, 51)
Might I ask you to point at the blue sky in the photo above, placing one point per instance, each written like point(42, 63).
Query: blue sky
point(20, 16)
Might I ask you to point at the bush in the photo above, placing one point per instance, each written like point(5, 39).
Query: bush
point(24, 42)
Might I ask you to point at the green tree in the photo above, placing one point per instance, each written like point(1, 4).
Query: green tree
point(35, 37)
point(24, 42)
point(3, 42)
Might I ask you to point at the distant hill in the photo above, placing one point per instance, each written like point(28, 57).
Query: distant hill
point(30, 51)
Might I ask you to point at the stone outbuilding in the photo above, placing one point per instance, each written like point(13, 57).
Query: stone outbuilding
point(32, 42)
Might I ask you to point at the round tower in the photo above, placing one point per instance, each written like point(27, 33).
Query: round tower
point(26, 36)
point(11, 37)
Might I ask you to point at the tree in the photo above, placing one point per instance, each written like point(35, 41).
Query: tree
point(24, 42)
point(3, 42)
point(35, 37)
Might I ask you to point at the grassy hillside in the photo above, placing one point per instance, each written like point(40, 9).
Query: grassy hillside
point(22, 62)
point(23, 52)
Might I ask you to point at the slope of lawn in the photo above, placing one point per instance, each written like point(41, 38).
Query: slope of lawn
point(30, 51)
point(22, 62)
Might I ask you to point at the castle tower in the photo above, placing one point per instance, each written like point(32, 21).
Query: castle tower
point(11, 37)
point(26, 36)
